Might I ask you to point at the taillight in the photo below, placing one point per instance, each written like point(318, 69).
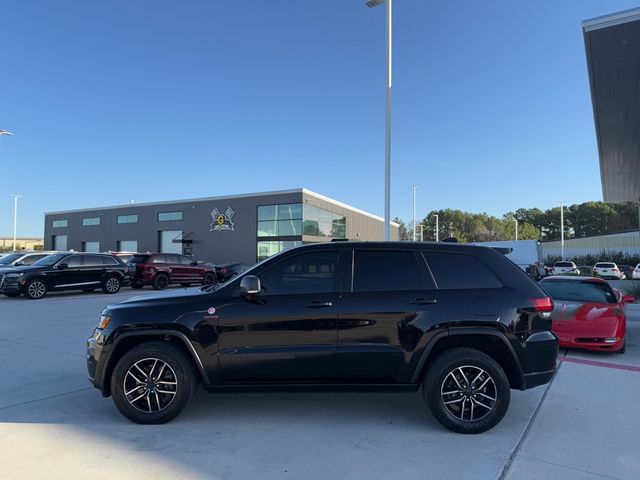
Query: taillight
point(543, 304)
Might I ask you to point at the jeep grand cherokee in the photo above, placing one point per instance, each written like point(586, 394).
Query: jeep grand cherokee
point(350, 316)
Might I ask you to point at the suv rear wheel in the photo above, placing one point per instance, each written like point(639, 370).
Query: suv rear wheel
point(153, 383)
point(160, 281)
point(467, 391)
point(208, 279)
point(111, 285)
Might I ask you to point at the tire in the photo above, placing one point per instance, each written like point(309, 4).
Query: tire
point(209, 279)
point(153, 407)
point(35, 289)
point(624, 348)
point(111, 285)
point(13, 294)
point(137, 286)
point(160, 281)
point(444, 374)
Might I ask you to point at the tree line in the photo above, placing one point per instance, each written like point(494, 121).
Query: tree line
point(580, 220)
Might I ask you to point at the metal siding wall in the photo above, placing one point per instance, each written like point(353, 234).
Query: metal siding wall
point(627, 242)
point(218, 246)
point(359, 226)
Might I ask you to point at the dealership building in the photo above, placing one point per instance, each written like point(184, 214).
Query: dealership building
point(244, 228)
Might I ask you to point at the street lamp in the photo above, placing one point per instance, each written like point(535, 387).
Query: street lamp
point(562, 229)
point(15, 218)
point(414, 211)
point(516, 220)
point(387, 138)
point(4, 132)
point(437, 227)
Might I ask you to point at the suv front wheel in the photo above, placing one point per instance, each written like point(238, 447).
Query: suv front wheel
point(467, 391)
point(153, 383)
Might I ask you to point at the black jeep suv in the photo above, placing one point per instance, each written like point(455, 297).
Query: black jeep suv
point(360, 316)
point(65, 271)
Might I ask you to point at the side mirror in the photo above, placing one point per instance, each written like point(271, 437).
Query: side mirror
point(194, 263)
point(628, 299)
point(62, 266)
point(18, 264)
point(250, 285)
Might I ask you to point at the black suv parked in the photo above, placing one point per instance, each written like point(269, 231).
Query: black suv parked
point(363, 316)
point(65, 271)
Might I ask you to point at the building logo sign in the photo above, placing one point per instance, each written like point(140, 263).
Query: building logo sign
point(222, 221)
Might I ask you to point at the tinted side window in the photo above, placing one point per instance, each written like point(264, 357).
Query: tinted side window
point(376, 271)
point(185, 260)
point(459, 271)
point(109, 261)
point(73, 261)
point(92, 261)
point(307, 273)
point(159, 259)
point(32, 258)
point(172, 259)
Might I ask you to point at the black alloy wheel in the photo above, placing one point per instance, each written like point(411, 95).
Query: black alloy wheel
point(467, 391)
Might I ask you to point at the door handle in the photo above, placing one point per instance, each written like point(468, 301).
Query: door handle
point(424, 301)
point(319, 304)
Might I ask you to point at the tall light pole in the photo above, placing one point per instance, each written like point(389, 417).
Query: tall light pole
point(15, 218)
point(387, 129)
point(437, 228)
point(516, 220)
point(562, 229)
point(5, 133)
point(414, 211)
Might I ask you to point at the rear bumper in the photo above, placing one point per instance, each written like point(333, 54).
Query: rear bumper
point(541, 353)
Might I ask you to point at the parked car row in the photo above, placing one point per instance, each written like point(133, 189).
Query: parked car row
point(34, 274)
point(606, 270)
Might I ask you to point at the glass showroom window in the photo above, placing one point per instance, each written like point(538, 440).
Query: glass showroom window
point(322, 223)
point(280, 220)
point(127, 218)
point(60, 223)
point(168, 216)
point(267, 249)
point(90, 221)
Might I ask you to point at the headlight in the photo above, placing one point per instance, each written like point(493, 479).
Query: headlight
point(104, 321)
point(14, 275)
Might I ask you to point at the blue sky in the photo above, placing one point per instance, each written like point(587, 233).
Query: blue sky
point(157, 100)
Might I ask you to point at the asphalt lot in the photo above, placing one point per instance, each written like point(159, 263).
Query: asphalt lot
point(53, 424)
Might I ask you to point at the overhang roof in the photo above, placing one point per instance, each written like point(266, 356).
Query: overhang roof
point(612, 45)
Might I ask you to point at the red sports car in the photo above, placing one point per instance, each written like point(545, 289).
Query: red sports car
point(588, 313)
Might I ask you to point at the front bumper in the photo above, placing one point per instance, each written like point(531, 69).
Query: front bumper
point(9, 285)
point(95, 359)
point(594, 346)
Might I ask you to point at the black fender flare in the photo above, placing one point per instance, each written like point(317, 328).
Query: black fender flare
point(467, 331)
point(154, 333)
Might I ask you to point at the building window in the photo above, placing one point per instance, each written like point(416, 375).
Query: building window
point(266, 249)
point(167, 216)
point(60, 223)
point(90, 221)
point(318, 222)
point(93, 247)
point(127, 245)
point(127, 218)
point(280, 220)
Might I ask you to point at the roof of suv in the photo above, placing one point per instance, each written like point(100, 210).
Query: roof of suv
point(396, 245)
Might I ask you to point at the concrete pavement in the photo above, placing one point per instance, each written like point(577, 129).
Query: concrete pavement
point(54, 425)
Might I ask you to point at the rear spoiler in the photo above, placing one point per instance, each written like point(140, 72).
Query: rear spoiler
point(502, 250)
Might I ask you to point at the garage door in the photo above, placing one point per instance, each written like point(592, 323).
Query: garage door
point(166, 241)
point(60, 242)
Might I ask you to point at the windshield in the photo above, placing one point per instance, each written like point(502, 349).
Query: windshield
point(574, 291)
point(10, 258)
point(49, 260)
